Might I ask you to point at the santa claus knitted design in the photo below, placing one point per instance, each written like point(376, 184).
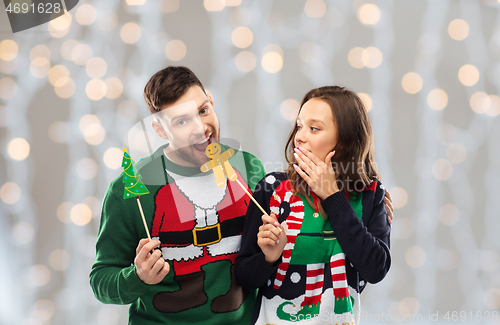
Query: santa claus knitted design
point(285, 202)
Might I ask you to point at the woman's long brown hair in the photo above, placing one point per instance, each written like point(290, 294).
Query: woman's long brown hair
point(353, 161)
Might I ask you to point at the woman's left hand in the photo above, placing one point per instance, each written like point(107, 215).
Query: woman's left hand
point(318, 174)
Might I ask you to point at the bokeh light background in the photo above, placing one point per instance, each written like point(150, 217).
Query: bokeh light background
point(428, 71)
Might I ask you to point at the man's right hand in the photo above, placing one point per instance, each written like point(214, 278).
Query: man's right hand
point(151, 268)
point(270, 239)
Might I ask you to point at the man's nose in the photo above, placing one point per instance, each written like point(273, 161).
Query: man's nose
point(199, 127)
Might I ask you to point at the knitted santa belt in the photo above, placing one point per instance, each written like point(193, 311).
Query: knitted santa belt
point(203, 236)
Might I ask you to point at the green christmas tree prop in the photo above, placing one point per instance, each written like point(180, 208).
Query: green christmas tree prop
point(134, 187)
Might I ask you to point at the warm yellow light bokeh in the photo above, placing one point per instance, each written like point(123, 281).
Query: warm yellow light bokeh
point(289, 109)
point(437, 99)
point(96, 67)
point(67, 48)
point(175, 50)
point(368, 14)
point(315, 8)
point(231, 3)
point(494, 109)
point(40, 51)
point(86, 121)
point(10, 192)
point(272, 62)
point(355, 57)
point(18, 149)
point(372, 57)
point(480, 102)
point(242, 37)
point(135, 2)
point(65, 87)
point(113, 158)
point(81, 214)
point(245, 61)
point(130, 33)
point(91, 128)
point(94, 134)
point(86, 14)
point(213, 5)
point(96, 89)
point(40, 67)
point(57, 72)
point(8, 50)
point(458, 29)
point(367, 101)
point(412, 82)
point(59, 27)
point(399, 197)
point(468, 75)
point(64, 212)
point(81, 54)
point(114, 87)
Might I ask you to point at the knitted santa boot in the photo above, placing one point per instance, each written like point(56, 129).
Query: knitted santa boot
point(232, 300)
point(190, 294)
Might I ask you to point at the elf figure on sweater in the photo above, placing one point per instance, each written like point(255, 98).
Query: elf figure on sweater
point(285, 204)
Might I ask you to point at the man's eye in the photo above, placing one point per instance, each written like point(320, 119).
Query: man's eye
point(181, 122)
point(204, 111)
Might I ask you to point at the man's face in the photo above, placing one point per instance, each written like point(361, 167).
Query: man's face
point(189, 125)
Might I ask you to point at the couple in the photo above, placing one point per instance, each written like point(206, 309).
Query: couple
point(325, 233)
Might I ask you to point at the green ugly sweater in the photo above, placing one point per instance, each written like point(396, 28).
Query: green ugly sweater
point(199, 226)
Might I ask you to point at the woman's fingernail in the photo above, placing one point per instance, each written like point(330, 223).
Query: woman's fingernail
point(302, 149)
point(276, 224)
point(295, 166)
point(296, 149)
point(296, 156)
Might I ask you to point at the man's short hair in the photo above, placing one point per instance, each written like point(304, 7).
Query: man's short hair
point(167, 86)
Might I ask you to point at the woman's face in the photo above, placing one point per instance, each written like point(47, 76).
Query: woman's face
point(316, 130)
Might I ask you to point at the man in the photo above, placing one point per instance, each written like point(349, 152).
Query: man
point(195, 224)
point(186, 273)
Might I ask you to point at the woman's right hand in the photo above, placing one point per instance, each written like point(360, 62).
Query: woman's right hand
point(270, 239)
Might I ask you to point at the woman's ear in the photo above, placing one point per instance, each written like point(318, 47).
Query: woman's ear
point(159, 130)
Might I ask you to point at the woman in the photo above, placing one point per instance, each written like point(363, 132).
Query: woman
point(328, 230)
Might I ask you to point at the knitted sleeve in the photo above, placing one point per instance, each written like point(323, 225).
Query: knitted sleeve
point(252, 270)
point(113, 277)
point(365, 243)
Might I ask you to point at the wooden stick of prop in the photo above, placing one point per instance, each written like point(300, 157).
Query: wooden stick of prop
point(143, 218)
point(254, 201)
